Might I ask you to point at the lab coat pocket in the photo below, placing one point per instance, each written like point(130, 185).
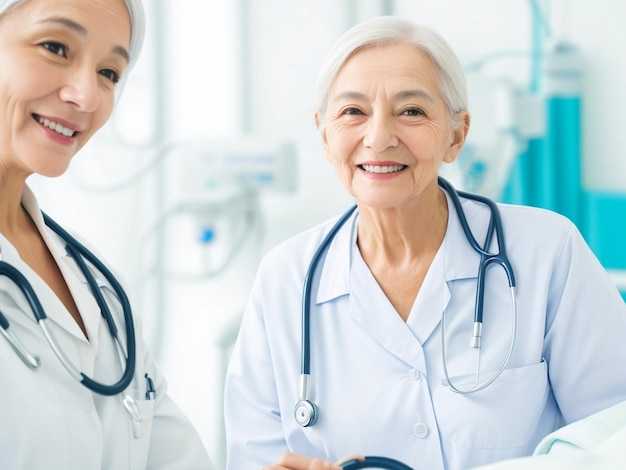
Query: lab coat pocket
point(140, 444)
point(503, 415)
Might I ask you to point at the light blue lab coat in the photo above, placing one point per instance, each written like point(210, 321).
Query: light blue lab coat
point(379, 382)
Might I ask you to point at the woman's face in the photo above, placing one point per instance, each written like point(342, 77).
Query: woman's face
point(387, 128)
point(60, 60)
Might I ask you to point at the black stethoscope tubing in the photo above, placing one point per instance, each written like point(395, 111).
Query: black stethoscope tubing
point(487, 258)
point(305, 411)
point(305, 363)
point(78, 251)
point(375, 462)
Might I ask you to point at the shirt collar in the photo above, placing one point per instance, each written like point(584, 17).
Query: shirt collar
point(460, 259)
point(335, 266)
point(67, 265)
point(29, 202)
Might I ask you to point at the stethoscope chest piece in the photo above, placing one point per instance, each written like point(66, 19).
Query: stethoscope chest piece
point(305, 410)
point(305, 413)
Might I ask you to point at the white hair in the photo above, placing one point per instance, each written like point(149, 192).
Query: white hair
point(389, 30)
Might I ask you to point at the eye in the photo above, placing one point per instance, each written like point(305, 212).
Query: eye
point(110, 74)
point(56, 48)
point(413, 112)
point(352, 112)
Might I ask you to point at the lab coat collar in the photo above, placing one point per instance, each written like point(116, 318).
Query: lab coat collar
point(54, 308)
point(335, 267)
point(455, 260)
point(460, 259)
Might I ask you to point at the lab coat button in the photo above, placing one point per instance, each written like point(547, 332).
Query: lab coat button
point(420, 430)
point(415, 374)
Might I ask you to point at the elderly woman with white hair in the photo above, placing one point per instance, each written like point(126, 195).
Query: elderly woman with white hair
point(68, 332)
point(428, 326)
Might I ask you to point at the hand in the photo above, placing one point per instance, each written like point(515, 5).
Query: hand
point(291, 461)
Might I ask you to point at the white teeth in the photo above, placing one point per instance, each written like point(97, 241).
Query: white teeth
point(383, 168)
point(56, 127)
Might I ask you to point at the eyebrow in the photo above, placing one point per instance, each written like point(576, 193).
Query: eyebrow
point(414, 94)
point(400, 95)
point(82, 31)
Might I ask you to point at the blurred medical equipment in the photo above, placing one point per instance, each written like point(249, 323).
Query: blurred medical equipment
point(532, 156)
point(213, 189)
point(305, 411)
point(526, 141)
point(210, 204)
point(375, 462)
point(548, 173)
point(505, 119)
point(79, 253)
point(245, 161)
point(209, 235)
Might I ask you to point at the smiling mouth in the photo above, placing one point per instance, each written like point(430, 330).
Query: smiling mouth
point(55, 126)
point(382, 168)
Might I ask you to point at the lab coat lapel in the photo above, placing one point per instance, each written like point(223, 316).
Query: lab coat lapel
point(84, 300)
point(53, 307)
point(334, 269)
point(13, 293)
point(373, 311)
point(460, 260)
point(55, 310)
point(343, 272)
point(431, 299)
point(455, 260)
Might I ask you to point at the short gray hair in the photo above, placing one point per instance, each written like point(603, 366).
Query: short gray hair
point(389, 30)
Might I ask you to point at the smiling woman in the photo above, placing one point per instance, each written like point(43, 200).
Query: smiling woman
point(391, 363)
point(49, 48)
point(67, 59)
point(386, 101)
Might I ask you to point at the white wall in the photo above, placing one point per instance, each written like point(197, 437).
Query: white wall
point(208, 92)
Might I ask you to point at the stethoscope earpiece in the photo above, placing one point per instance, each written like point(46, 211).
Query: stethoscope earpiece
point(305, 413)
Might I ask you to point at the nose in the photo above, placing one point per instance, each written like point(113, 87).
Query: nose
point(380, 134)
point(81, 89)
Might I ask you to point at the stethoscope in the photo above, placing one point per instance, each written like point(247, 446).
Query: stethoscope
point(306, 411)
point(127, 359)
point(375, 462)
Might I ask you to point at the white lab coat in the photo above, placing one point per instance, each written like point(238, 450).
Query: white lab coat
point(379, 383)
point(48, 419)
point(593, 443)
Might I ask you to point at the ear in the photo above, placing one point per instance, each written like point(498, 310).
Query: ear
point(458, 137)
point(318, 124)
point(316, 116)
